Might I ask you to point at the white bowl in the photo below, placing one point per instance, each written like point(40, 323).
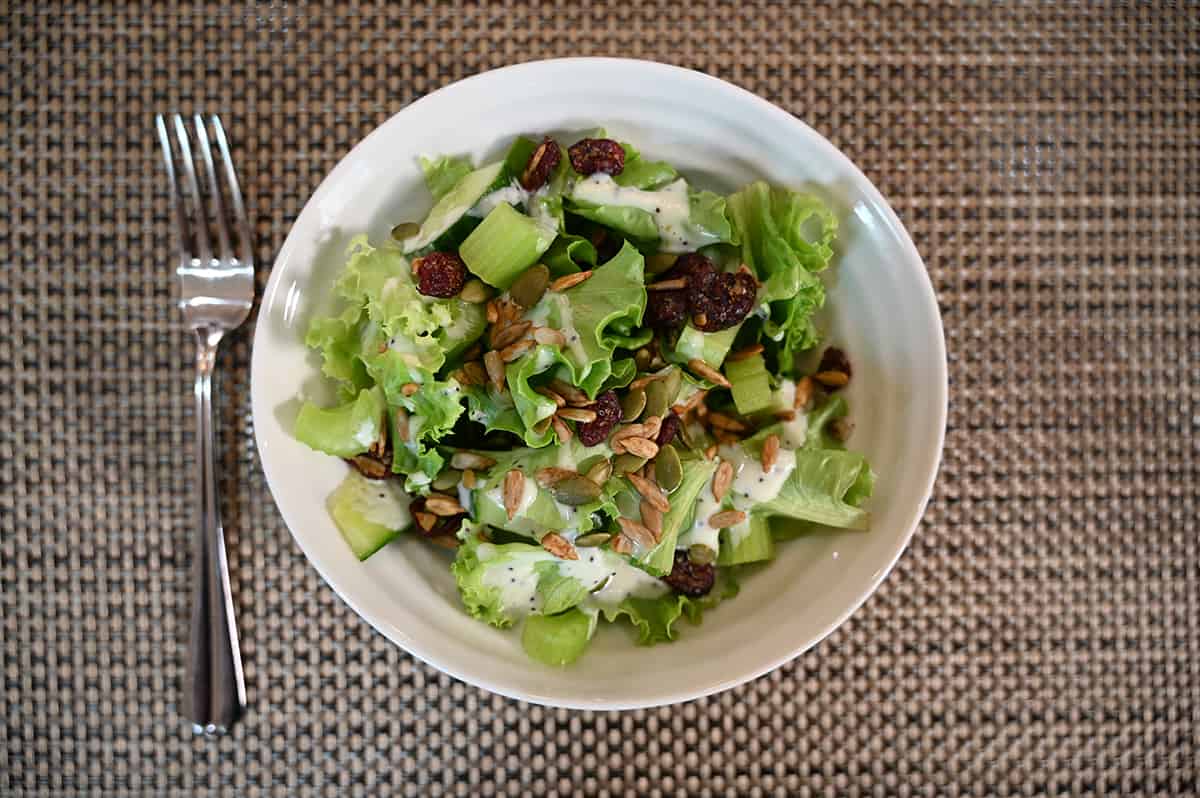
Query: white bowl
point(882, 310)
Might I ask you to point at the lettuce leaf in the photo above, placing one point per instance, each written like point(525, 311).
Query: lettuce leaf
point(346, 430)
point(443, 174)
point(817, 488)
point(654, 619)
point(643, 174)
point(786, 238)
point(558, 591)
point(660, 559)
point(339, 340)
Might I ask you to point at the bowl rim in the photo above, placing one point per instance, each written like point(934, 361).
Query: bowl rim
point(912, 260)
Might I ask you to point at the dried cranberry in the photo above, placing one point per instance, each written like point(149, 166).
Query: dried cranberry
point(541, 164)
point(589, 156)
point(440, 274)
point(689, 578)
point(669, 429)
point(442, 526)
point(722, 300)
point(668, 310)
point(834, 359)
point(608, 413)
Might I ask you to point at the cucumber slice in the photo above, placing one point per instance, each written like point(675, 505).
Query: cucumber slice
point(369, 512)
point(505, 244)
point(751, 384)
point(709, 347)
point(453, 206)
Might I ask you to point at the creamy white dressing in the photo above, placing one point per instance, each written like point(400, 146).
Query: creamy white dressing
point(556, 305)
point(669, 206)
point(466, 497)
point(612, 579)
point(366, 434)
point(751, 486)
point(513, 194)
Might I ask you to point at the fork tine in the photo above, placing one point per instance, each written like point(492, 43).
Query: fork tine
point(176, 200)
point(192, 192)
point(220, 221)
point(246, 248)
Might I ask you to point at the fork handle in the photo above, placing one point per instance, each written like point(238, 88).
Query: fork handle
point(215, 693)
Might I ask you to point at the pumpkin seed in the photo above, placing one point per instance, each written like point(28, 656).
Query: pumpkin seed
point(575, 490)
point(673, 382)
point(668, 469)
point(475, 292)
point(405, 230)
point(657, 401)
point(701, 554)
point(529, 287)
point(633, 404)
point(625, 463)
point(594, 539)
point(656, 264)
point(600, 472)
point(447, 479)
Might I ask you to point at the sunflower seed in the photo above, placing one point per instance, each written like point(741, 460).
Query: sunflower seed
point(650, 492)
point(514, 491)
point(438, 504)
point(540, 427)
point(447, 479)
point(476, 373)
point(527, 289)
point(633, 404)
point(425, 520)
point(561, 430)
point(621, 544)
point(575, 490)
point(567, 391)
point(550, 475)
point(667, 285)
point(409, 388)
point(510, 334)
point(710, 452)
point(643, 381)
point(493, 311)
point(510, 353)
point(474, 292)
point(722, 480)
point(702, 369)
point(549, 337)
point(569, 281)
point(701, 554)
point(464, 460)
point(593, 539)
point(742, 354)
point(652, 518)
point(495, 370)
point(468, 479)
point(804, 393)
point(668, 469)
point(722, 421)
point(445, 541)
point(636, 532)
point(770, 452)
point(832, 379)
point(841, 429)
point(642, 447)
point(726, 519)
point(551, 395)
point(578, 414)
point(401, 424)
point(557, 545)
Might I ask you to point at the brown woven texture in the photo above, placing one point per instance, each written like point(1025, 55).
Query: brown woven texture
point(1040, 635)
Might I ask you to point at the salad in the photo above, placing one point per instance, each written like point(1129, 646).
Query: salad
point(601, 387)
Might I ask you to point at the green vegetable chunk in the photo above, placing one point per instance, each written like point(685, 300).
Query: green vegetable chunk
point(346, 430)
point(369, 513)
point(505, 244)
point(751, 384)
point(557, 639)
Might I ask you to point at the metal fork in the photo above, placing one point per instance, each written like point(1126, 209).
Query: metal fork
point(216, 292)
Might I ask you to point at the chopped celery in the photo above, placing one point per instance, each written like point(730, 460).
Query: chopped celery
point(369, 513)
point(504, 245)
point(751, 384)
point(755, 545)
point(453, 205)
point(709, 347)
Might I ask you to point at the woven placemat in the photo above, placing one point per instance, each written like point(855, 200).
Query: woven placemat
point(1041, 634)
